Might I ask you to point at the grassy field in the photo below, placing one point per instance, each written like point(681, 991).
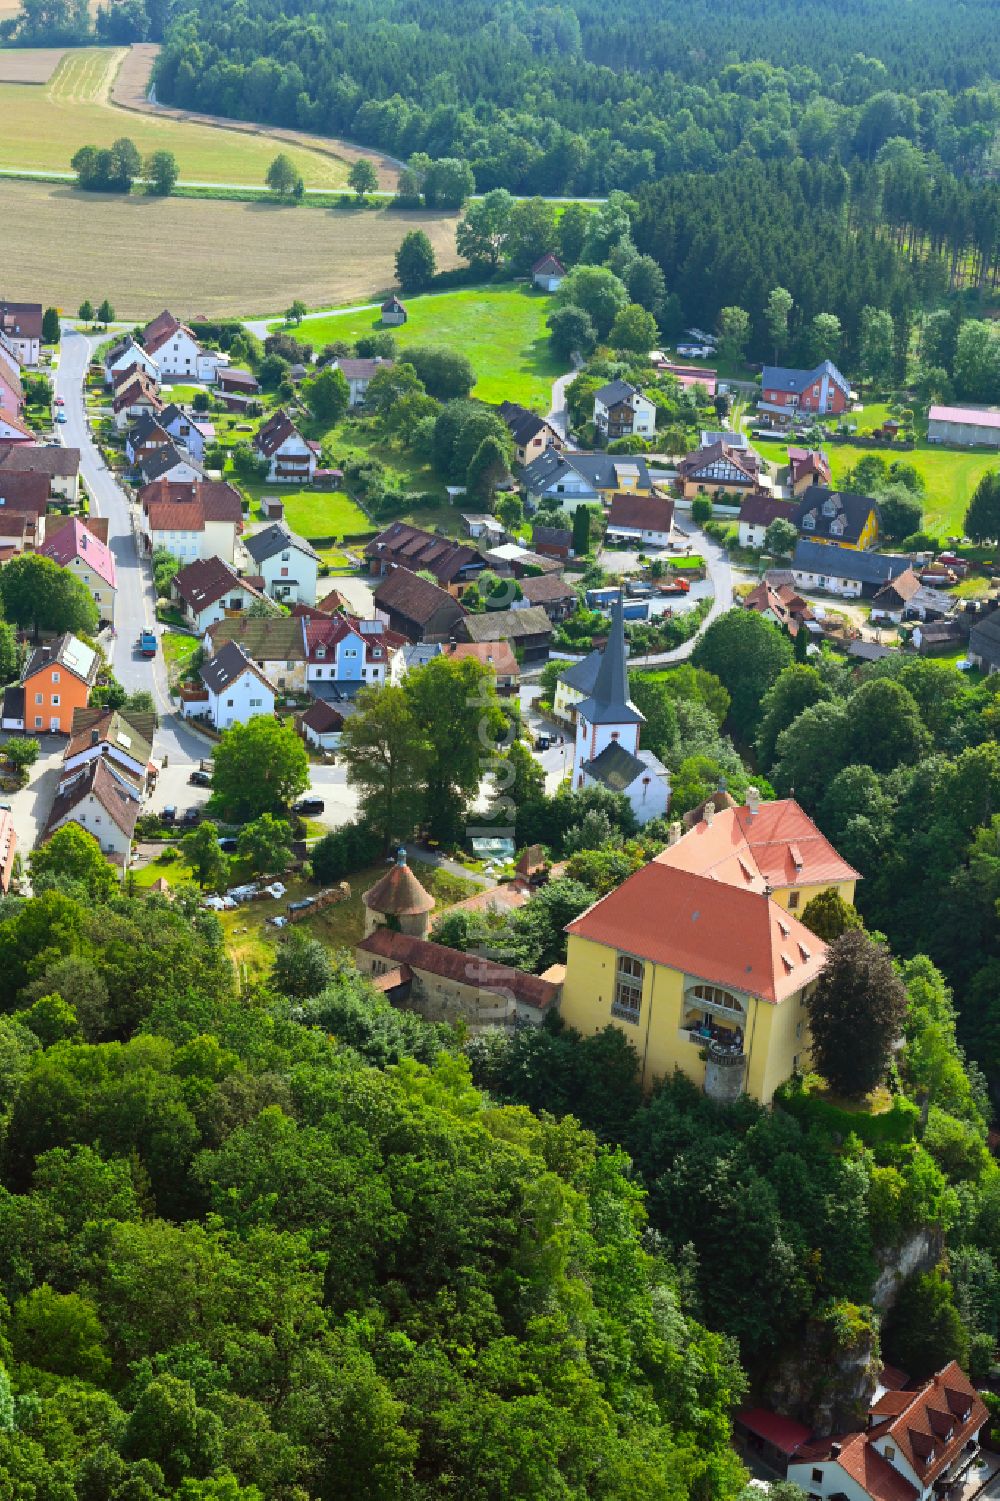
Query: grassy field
point(501, 329)
point(41, 128)
point(314, 513)
point(197, 256)
point(950, 475)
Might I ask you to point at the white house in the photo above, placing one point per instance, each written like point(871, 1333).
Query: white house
point(171, 464)
point(234, 690)
point(286, 563)
point(573, 478)
point(104, 803)
point(320, 725)
point(178, 353)
point(548, 273)
point(345, 650)
point(358, 374)
point(842, 570)
point(21, 325)
point(125, 741)
point(291, 459)
point(646, 520)
point(621, 410)
point(209, 590)
point(199, 520)
point(128, 354)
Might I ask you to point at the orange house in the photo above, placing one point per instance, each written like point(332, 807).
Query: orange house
point(57, 680)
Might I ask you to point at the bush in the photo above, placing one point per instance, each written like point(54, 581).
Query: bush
point(701, 509)
point(800, 1097)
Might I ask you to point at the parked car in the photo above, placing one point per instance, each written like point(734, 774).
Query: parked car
point(169, 814)
point(60, 416)
point(307, 805)
point(192, 815)
point(60, 401)
point(200, 778)
point(301, 905)
point(227, 845)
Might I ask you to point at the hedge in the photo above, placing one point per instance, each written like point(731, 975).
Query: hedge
point(801, 1099)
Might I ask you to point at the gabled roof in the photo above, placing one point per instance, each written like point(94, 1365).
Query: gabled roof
point(275, 539)
point(231, 375)
point(418, 600)
point(160, 461)
point(21, 320)
point(398, 893)
point(804, 461)
point(360, 369)
point(466, 969)
point(794, 382)
point(507, 625)
point(9, 420)
point(162, 328)
point(185, 505)
point(276, 430)
point(393, 305)
point(706, 928)
point(601, 471)
point(522, 424)
point(495, 654)
point(653, 513)
point(777, 846)
point(273, 638)
point(24, 490)
point(207, 580)
point(141, 387)
point(44, 458)
point(322, 717)
point(548, 265)
point(414, 548)
point(978, 416)
point(846, 563)
point(936, 1422)
point(148, 427)
point(65, 652)
point(759, 509)
point(228, 666)
point(859, 1459)
point(984, 638)
point(130, 731)
point(615, 768)
point(76, 541)
point(901, 589)
point(122, 807)
point(609, 701)
point(744, 460)
point(551, 536)
point(546, 588)
point(820, 510)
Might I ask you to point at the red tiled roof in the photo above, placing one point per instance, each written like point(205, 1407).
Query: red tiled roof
point(24, 490)
point(162, 328)
point(207, 580)
point(761, 510)
point(779, 845)
point(648, 512)
point(705, 927)
point(398, 893)
point(322, 717)
point(276, 431)
point(496, 654)
point(185, 505)
point(784, 1433)
point(859, 1459)
point(465, 969)
point(140, 386)
point(947, 1404)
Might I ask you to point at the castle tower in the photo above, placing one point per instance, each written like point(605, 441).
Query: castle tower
point(608, 716)
point(398, 901)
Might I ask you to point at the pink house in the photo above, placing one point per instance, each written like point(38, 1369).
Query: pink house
point(75, 547)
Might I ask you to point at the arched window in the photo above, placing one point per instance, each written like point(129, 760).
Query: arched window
point(714, 995)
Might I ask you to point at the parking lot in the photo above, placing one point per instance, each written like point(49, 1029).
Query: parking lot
point(32, 804)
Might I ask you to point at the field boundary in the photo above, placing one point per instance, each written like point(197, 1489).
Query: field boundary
point(130, 92)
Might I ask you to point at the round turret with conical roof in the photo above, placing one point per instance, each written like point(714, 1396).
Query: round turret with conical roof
point(398, 901)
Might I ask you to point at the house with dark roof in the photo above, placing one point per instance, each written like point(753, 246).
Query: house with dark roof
point(552, 541)
point(621, 410)
point(844, 570)
point(531, 434)
point(291, 458)
point(233, 690)
point(189, 431)
point(208, 590)
point(806, 467)
point(556, 597)
point(144, 436)
point(287, 563)
point(201, 519)
point(177, 352)
point(841, 518)
point(819, 392)
point(170, 463)
point(401, 545)
point(320, 725)
point(984, 643)
point(126, 357)
point(572, 478)
point(235, 382)
point(757, 511)
point(24, 499)
point(102, 802)
point(358, 374)
point(393, 312)
point(643, 520)
point(416, 608)
point(529, 630)
point(123, 738)
point(21, 326)
point(136, 397)
point(548, 273)
point(57, 679)
point(574, 683)
point(61, 466)
point(721, 467)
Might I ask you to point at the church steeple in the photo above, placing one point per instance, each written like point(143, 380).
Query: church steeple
point(609, 703)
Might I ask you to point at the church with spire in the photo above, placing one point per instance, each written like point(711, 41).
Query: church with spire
point(608, 728)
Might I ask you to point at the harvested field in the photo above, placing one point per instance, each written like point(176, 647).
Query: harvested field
point(41, 128)
point(29, 64)
point(60, 246)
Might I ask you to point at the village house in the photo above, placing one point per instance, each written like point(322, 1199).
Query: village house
point(21, 326)
point(575, 683)
point(529, 630)
point(401, 545)
point(930, 638)
point(606, 748)
point(571, 479)
point(56, 681)
point(965, 426)
point(498, 655)
point(531, 434)
point(414, 607)
point(75, 547)
point(178, 353)
point(548, 273)
point(393, 312)
point(237, 388)
point(782, 605)
point(819, 392)
point(136, 397)
point(806, 467)
point(14, 430)
point(721, 466)
point(122, 738)
point(11, 389)
point(984, 643)
point(61, 466)
point(24, 503)
point(171, 464)
point(916, 1445)
point(320, 725)
point(556, 597)
point(286, 563)
point(147, 435)
point(699, 957)
point(552, 541)
point(8, 849)
point(358, 374)
point(643, 520)
point(756, 514)
point(838, 517)
point(102, 804)
point(14, 538)
point(843, 570)
point(276, 644)
point(347, 653)
point(621, 410)
point(127, 358)
point(190, 431)
point(905, 597)
point(208, 590)
point(199, 520)
point(233, 690)
point(291, 459)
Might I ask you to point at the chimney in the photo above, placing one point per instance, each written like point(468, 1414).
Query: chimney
point(94, 737)
point(834, 1451)
point(673, 834)
point(709, 813)
point(753, 800)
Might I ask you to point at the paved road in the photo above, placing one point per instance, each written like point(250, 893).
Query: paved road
point(558, 415)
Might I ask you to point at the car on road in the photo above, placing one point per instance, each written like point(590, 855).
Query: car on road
point(308, 805)
point(146, 644)
point(169, 814)
point(60, 401)
point(60, 416)
point(199, 778)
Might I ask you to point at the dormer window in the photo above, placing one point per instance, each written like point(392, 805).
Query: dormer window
point(320, 653)
point(809, 522)
point(837, 527)
point(829, 508)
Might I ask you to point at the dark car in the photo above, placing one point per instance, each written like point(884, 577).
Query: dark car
point(227, 845)
point(300, 906)
point(192, 815)
point(200, 778)
point(169, 814)
point(307, 805)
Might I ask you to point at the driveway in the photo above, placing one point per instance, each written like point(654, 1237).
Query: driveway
point(32, 804)
point(558, 415)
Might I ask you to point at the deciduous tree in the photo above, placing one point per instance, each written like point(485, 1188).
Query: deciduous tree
point(207, 861)
point(387, 755)
point(362, 177)
point(161, 172)
point(855, 1014)
point(259, 767)
point(37, 593)
point(482, 235)
point(415, 262)
point(266, 844)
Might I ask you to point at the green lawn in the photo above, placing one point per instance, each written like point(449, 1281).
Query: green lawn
point(501, 329)
point(178, 650)
point(314, 513)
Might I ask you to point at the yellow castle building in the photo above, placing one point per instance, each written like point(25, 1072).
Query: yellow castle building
point(699, 957)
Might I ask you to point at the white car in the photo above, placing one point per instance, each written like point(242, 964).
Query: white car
point(276, 889)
